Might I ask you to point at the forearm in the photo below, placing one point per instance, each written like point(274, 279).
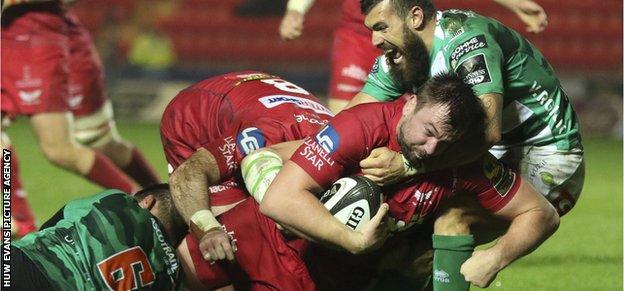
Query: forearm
point(304, 215)
point(291, 203)
point(190, 184)
point(526, 232)
point(190, 194)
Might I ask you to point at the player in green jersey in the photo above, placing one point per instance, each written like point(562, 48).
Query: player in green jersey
point(532, 125)
point(109, 241)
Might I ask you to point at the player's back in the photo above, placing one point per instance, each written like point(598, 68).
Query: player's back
point(210, 108)
point(99, 243)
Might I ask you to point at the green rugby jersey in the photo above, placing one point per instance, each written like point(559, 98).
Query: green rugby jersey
point(104, 242)
point(496, 59)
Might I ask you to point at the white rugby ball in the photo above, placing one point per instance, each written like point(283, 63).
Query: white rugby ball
point(353, 201)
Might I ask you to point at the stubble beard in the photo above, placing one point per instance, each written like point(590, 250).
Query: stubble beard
point(414, 70)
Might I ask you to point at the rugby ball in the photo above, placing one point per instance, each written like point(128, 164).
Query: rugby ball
point(353, 201)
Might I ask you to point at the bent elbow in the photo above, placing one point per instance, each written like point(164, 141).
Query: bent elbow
point(493, 137)
point(174, 181)
point(268, 208)
point(554, 219)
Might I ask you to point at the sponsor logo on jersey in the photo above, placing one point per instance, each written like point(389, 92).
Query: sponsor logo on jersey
point(276, 100)
point(474, 70)
point(316, 154)
point(375, 67)
point(422, 197)
point(227, 150)
point(170, 257)
point(441, 276)
point(30, 97)
point(472, 44)
point(75, 100)
point(328, 139)
point(500, 177)
point(222, 187)
point(311, 118)
point(250, 139)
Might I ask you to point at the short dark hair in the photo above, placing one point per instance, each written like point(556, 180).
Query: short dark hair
point(465, 111)
point(168, 214)
point(401, 7)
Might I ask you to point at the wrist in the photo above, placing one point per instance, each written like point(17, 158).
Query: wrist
point(203, 221)
point(409, 168)
point(500, 261)
point(353, 244)
point(301, 6)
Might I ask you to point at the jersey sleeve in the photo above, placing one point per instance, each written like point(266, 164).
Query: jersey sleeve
point(493, 183)
point(380, 84)
point(478, 59)
point(240, 139)
point(337, 147)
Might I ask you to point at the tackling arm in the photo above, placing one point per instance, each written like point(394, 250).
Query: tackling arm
point(189, 189)
point(533, 220)
point(290, 202)
point(531, 13)
point(190, 182)
point(291, 26)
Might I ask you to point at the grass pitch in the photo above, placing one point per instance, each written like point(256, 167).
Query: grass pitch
point(584, 254)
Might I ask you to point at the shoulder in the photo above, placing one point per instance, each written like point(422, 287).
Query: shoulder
point(464, 31)
point(106, 201)
point(375, 112)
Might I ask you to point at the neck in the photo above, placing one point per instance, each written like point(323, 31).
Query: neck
point(173, 237)
point(428, 33)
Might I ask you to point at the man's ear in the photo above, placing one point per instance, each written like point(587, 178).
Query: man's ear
point(415, 18)
point(148, 202)
point(410, 105)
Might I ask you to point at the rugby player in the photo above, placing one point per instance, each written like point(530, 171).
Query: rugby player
point(532, 125)
point(206, 130)
point(443, 112)
point(51, 69)
point(109, 241)
point(352, 53)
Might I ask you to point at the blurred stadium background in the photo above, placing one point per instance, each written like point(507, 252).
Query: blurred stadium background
point(183, 41)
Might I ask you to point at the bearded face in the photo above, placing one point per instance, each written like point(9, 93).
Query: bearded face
point(408, 65)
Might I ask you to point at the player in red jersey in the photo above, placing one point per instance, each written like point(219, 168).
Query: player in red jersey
point(352, 53)
point(94, 125)
point(49, 68)
point(443, 111)
point(206, 131)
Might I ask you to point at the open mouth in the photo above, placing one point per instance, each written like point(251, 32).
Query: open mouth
point(395, 55)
